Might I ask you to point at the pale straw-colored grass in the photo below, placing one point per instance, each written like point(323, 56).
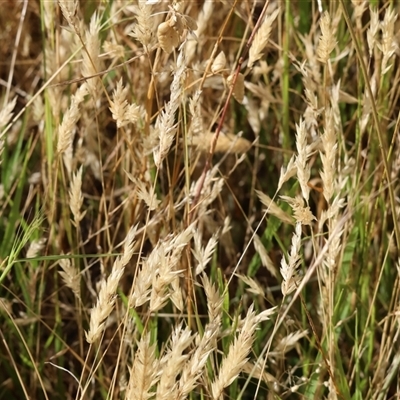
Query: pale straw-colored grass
point(143, 29)
point(76, 197)
point(70, 276)
point(172, 363)
point(388, 45)
point(234, 362)
point(327, 40)
point(6, 114)
point(166, 126)
point(372, 31)
point(159, 271)
point(67, 128)
point(108, 290)
point(203, 254)
point(123, 112)
point(261, 38)
point(144, 373)
point(133, 99)
point(35, 247)
point(289, 268)
point(303, 154)
point(91, 64)
point(69, 9)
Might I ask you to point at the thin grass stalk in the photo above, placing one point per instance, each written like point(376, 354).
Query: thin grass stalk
point(15, 50)
point(285, 81)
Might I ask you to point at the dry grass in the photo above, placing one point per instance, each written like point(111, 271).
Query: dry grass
point(199, 200)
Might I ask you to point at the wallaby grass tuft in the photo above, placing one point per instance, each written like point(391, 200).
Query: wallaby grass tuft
point(199, 199)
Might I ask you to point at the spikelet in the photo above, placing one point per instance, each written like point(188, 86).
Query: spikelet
point(227, 143)
point(236, 358)
point(69, 10)
point(301, 212)
point(6, 112)
point(123, 112)
point(168, 36)
point(274, 209)
point(143, 373)
point(388, 45)
point(238, 90)
point(170, 31)
point(261, 38)
point(35, 247)
point(219, 63)
point(76, 197)
point(5, 116)
point(372, 31)
point(70, 275)
point(289, 269)
point(327, 40)
point(264, 257)
point(202, 23)
point(189, 23)
point(107, 294)
point(144, 28)
point(165, 124)
point(302, 164)
point(91, 64)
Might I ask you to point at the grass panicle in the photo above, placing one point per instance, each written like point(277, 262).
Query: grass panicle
point(261, 38)
point(108, 290)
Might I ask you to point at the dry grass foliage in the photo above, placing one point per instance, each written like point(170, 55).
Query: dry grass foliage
point(190, 254)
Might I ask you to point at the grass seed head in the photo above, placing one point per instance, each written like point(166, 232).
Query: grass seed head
point(238, 90)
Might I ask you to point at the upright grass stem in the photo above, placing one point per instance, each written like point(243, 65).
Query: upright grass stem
point(287, 141)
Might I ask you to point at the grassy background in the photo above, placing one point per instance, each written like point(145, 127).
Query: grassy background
point(334, 337)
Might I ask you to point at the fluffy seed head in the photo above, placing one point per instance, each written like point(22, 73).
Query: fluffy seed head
point(327, 42)
point(261, 38)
